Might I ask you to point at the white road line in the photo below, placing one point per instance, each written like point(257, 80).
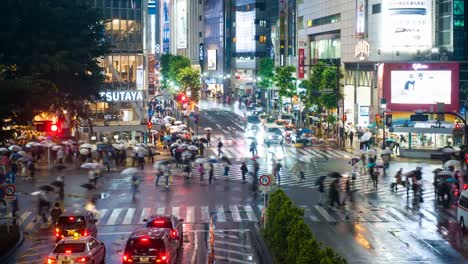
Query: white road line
point(232, 244)
point(195, 249)
point(161, 210)
point(23, 217)
point(313, 153)
point(190, 218)
point(205, 214)
point(233, 260)
point(113, 217)
point(101, 214)
point(324, 213)
point(144, 215)
point(129, 216)
point(428, 215)
point(176, 211)
point(235, 213)
point(250, 213)
point(220, 216)
point(396, 213)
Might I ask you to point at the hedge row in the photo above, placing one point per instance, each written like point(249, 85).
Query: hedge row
point(289, 237)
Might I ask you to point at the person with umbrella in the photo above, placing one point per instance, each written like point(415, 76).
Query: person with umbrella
point(321, 188)
point(201, 171)
point(201, 148)
point(253, 148)
point(220, 145)
point(334, 193)
point(244, 171)
point(211, 173)
point(208, 137)
point(351, 137)
point(226, 169)
point(373, 174)
point(159, 174)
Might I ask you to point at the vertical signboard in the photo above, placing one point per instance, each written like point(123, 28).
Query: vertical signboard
point(212, 60)
point(407, 24)
point(201, 55)
point(151, 73)
point(361, 7)
point(165, 25)
point(300, 64)
point(181, 24)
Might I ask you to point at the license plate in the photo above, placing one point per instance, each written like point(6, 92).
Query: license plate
point(144, 259)
point(71, 232)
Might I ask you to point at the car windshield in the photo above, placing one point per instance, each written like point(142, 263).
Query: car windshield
point(163, 223)
point(253, 119)
point(286, 117)
point(270, 120)
point(71, 222)
point(70, 248)
point(145, 246)
point(274, 130)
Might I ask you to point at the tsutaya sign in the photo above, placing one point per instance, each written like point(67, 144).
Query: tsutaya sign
point(122, 96)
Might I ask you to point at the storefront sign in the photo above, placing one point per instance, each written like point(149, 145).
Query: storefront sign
point(419, 66)
point(361, 17)
point(212, 60)
point(122, 96)
point(300, 64)
point(201, 53)
point(362, 50)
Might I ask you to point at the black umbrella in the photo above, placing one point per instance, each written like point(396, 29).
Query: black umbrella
point(335, 175)
point(203, 140)
point(225, 159)
point(46, 188)
point(60, 167)
point(320, 180)
point(57, 183)
point(88, 186)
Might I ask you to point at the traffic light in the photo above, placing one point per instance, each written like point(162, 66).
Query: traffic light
point(181, 98)
point(466, 158)
point(345, 117)
point(52, 127)
point(457, 125)
point(150, 125)
point(378, 119)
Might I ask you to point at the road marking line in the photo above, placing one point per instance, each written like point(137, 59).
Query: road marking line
point(113, 217)
point(144, 214)
point(176, 211)
point(129, 216)
point(205, 214)
point(313, 153)
point(195, 249)
point(232, 260)
point(101, 214)
point(161, 210)
point(250, 213)
point(185, 231)
point(232, 244)
point(235, 213)
point(233, 251)
point(396, 213)
point(190, 215)
point(220, 216)
point(23, 217)
point(325, 214)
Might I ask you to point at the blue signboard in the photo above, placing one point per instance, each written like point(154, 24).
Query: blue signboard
point(166, 26)
point(462, 111)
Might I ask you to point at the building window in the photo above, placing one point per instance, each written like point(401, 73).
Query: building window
point(325, 48)
point(262, 23)
point(200, 18)
point(324, 20)
point(200, 34)
point(376, 8)
point(262, 39)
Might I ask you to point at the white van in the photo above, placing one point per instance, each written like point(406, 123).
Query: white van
point(462, 209)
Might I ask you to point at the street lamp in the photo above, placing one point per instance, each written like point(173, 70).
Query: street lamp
point(383, 106)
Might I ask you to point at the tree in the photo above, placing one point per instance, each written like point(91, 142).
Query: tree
point(189, 77)
point(49, 52)
point(266, 73)
point(285, 81)
point(170, 67)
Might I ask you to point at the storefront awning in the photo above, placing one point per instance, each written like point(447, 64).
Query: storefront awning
point(423, 130)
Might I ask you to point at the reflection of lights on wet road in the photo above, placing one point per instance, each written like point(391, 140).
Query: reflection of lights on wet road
point(359, 236)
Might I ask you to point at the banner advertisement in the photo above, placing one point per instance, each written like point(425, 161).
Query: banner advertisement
point(166, 26)
point(407, 24)
point(300, 62)
point(181, 24)
point(212, 60)
point(151, 73)
point(361, 17)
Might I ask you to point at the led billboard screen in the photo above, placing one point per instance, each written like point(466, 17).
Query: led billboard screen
point(422, 87)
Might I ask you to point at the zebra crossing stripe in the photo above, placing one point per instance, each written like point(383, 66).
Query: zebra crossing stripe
point(145, 213)
point(161, 210)
point(190, 215)
point(330, 153)
point(250, 213)
point(176, 211)
point(235, 213)
point(101, 214)
point(395, 213)
point(315, 152)
point(427, 215)
point(205, 214)
point(23, 217)
point(368, 215)
point(324, 214)
point(129, 216)
point(113, 217)
point(221, 217)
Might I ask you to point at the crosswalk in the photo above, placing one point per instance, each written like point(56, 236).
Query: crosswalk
point(359, 213)
point(134, 216)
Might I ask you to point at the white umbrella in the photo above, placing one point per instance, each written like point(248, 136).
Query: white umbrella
point(56, 148)
point(92, 165)
point(302, 159)
point(184, 146)
point(186, 154)
point(444, 172)
point(32, 144)
point(366, 137)
point(84, 151)
point(67, 143)
point(141, 145)
point(448, 150)
point(178, 122)
point(86, 145)
point(119, 146)
point(41, 138)
point(133, 142)
point(21, 137)
point(454, 163)
point(207, 128)
point(22, 153)
point(193, 148)
point(130, 171)
point(201, 160)
point(15, 148)
point(371, 152)
point(47, 144)
point(175, 145)
point(3, 149)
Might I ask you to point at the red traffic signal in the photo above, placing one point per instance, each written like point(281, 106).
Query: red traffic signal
point(181, 98)
point(345, 118)
point(150, 125)
point(53, 127)
point(466, 158)
point(457, 125)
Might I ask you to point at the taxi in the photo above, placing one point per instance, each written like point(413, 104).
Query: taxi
point(71, 223)
point(77, 249)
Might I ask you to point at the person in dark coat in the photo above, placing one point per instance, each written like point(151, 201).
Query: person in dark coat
point(244, 171)
point(211, 173)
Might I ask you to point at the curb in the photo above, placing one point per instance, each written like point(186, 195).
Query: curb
point(263, 252)
point(6, 257)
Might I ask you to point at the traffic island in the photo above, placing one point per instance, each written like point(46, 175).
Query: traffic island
point(289, 237)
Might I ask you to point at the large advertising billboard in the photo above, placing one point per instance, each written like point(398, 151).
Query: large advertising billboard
point(212, 60)
point(166, 26)
point(181, 24)
point(407, 24)
point(417, 86)
point(245, 31)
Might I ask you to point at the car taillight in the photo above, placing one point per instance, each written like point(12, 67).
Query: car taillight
point(163, 258)
point(465, 186)
point(85, 233)
point(51, 260)
point(174, 234)
point(127, 258)
point(57, 232)
point(82, 259)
